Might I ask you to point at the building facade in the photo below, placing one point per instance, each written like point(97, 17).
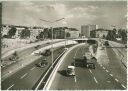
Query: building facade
point(85, 30)
point(73, 33)
point(101, 34)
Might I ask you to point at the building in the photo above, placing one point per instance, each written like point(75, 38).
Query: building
point(85, 30)
point(74, 33)
point(101, 33)
point(34, 33)
point(18, 31)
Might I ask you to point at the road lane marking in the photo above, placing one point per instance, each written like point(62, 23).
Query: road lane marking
point(117, 80)
point(95, 80)
point(103, 68)
point(10, 87)
point(108, 81)
point(101, 65)
point(123, 86)
point(90, 71)
point(32, 68)
point(23, 76)
point(107, 71)
point(75, 78)
point(111, 75)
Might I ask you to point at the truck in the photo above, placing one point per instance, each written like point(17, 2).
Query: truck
point(84, 62)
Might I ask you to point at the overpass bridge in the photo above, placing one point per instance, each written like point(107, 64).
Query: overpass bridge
point(86, 40)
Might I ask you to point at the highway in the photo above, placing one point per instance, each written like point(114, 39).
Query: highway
point(27, 77)
point(100, 78)
point(24, 55)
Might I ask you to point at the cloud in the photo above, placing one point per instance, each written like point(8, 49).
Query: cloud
point(30, 13)
point(59, 8)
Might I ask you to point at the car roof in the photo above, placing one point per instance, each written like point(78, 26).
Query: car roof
point(72, 67)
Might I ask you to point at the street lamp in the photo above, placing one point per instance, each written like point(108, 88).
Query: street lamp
point(51, 22)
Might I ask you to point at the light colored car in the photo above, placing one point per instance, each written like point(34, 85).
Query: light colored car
point(66, 48)
point(70, 71)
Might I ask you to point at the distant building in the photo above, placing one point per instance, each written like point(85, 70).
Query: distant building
point(34, 33)
point(74, 33)
point(85, 30)
point(18, 31)
point(101, 33)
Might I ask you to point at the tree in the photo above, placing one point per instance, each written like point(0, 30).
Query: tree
point(93, 34)
point(103, 36)
point(12, 32)
point(40, 36)
point(25, 33)
point(111, 35)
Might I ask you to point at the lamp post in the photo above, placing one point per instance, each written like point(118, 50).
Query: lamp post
point(51, 22)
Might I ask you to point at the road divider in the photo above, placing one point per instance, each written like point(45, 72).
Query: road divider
point(45, 77)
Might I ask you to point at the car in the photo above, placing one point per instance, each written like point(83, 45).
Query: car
point(91, 65)
point(48, 43)
point(66, 48)
point(42, 64)
point(106, 43)
point(70, 71)
point(37, 53)
point(37, 46)
point(47, 52)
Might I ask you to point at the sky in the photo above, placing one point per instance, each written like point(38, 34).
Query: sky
point(76, 13)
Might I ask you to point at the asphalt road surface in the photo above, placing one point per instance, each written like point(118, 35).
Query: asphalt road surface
point(23, 55)
point(116, 66)
point(26, 78)
point(99, 78)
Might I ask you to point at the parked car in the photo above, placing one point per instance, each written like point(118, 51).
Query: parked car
point(70, 71)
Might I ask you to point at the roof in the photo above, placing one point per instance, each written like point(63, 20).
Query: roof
point(72, 67)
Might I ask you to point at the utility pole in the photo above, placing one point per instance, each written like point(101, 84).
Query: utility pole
point(51, 22)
